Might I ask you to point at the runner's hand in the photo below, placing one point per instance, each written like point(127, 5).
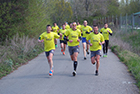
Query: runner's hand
point(40, 40)
point(100, 43)
point(108, 31)
point(60, 35)
point(70, 41)
point(90, 44)
point(78, 40)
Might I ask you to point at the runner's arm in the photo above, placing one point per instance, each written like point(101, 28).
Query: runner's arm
point(110, 33)
point(39, 39)
point(65, 38)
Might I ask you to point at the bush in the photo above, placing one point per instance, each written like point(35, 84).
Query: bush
point(17, 52)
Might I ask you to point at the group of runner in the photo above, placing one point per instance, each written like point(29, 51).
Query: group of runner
point(71, 36)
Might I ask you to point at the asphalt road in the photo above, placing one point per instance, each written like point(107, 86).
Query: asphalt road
point(33, 78)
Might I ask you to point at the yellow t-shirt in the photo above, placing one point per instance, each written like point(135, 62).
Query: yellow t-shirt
point(95, 39)
point(85, 29)
point(49, 40)
point(62, 32)
point(67, 26)
point(73, 35)
point(78, 27)
point(105, 33)
point(55, 29)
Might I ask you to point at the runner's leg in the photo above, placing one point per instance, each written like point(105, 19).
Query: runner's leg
point(98, 62)
point(107, 43)
point(84, 49)
point(104, 48)
point(50, 61)
point(62, 47)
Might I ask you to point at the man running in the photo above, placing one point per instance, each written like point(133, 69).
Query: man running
point(106, 32)
point(49, 46)
point(55, 29)
point(63, 42)
point(85, 32)
point(78, 26)
point(66, 25)
point(96, 41)
point(74, 36)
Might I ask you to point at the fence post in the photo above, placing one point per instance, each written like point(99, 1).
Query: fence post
point(108, 19)
point(116, 21)
point(120, 20)
point(126, 23)
point(133, 21)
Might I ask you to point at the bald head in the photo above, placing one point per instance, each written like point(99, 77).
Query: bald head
point(85, 23)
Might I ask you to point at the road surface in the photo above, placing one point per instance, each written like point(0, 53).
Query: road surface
point(33, 78)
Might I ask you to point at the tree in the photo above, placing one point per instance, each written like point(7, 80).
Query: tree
point(62, 12)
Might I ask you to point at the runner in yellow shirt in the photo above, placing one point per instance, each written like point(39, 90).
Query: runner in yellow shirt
point(106, 32)
point(96, 41)
point(85, 32)
point(78, 26)
point(55, 29)
point(73, 37)
point(49, 46)
point(63, 42)
point(66, 25)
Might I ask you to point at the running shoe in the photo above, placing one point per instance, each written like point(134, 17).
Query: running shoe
point(87, 51)
point(96, 73)
point(85, 58)
point(74, 73)
point(56, 45)
point(94, 63)
point(104, 55)
point(61, 50)
point(50, 73)
point(63, 53)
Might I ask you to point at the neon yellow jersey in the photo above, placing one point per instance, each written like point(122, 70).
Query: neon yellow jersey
point(95, 39)
point(73, 35)
point(62, 32)
point(67, 26)
point(105, 33)
point(85, 29)
point(49, 40)
point(78, 27)
point(55, 29)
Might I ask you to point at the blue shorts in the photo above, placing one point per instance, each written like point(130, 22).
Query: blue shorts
point(48, 53)
point(73, 49)
point(84, 40)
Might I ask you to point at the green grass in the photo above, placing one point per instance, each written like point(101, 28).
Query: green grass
point(133, 38)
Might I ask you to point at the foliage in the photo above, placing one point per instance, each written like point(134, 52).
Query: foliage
point(10, 17)
point(17, 52)
point(129, 7)
point(62, 12)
